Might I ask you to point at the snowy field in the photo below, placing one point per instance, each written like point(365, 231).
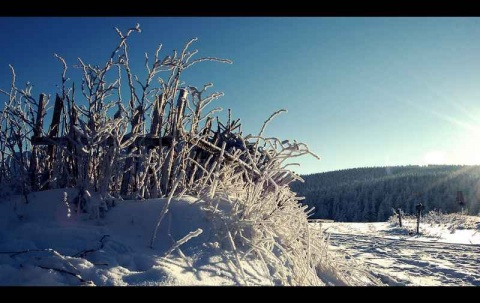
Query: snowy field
point(46, 243)
point(440, 256)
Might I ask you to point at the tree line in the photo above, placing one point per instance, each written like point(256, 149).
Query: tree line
point(369, 194)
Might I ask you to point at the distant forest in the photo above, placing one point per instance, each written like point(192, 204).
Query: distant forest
point(369, 194)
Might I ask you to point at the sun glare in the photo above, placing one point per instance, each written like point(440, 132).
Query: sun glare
point(468, 152)
point(435, 157)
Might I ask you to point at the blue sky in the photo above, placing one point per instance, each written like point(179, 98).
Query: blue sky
point(359, 91)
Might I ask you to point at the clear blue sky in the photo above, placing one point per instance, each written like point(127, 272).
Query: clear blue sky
point(359, 91)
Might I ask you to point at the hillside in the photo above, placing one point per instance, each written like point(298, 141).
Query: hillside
point(368, 194)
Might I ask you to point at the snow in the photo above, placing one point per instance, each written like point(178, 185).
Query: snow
point(428, 233)
point(41, 245)
point(437, 257)
point(55, 249)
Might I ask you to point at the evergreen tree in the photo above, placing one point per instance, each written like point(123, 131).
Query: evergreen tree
point(368, 194)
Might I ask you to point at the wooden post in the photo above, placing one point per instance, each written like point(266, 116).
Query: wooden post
point(199, 154)
point(53, 132)
point(37, 131)
point(40, 113)
point(181, 105)
point(73, 159)
point(196, 117)
point(419, 208)
point(418, 223)
point(126, 175)
point(175, 122)
point(157, 118)
point(399, 213)
point(156, 130)
point(129, 162)
point(460, 200)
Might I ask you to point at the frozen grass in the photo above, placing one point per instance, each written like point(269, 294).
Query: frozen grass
point(241, 182)
point(434, 220)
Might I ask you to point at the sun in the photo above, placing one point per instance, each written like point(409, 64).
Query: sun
point(435, 157)
point(467, 151)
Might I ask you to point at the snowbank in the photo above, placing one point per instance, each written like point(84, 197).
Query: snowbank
point(41, 245)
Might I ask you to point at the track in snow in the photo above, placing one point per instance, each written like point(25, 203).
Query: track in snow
point(411, 263)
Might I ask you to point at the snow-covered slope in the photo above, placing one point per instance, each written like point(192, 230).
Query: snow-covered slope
point(40, 244)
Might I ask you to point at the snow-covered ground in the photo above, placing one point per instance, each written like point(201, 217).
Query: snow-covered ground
point(40, 244)
point(439, 256)
point(46, 243)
